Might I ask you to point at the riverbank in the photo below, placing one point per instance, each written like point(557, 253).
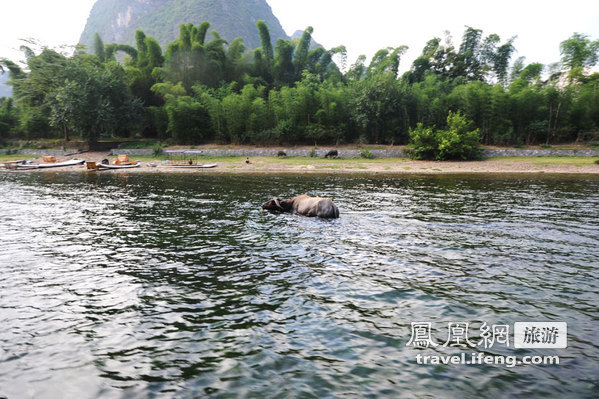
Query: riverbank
point(346, 151)
point(310, 165)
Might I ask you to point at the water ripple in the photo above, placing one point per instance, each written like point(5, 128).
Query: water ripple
point(179, 286)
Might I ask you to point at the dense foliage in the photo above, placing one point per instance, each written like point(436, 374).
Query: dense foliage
point(204, 89)
point(458, 142)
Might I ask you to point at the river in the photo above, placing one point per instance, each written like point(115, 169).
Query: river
point(155, 285)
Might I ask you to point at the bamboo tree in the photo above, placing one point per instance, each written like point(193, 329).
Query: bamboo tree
point(300, 61)
point(200, 36)
point(234, 65)
point(99, 48)
point(501, 60)
point(267, 50)
point(284, 70)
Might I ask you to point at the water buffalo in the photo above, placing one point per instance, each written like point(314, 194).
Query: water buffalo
point(332, 153)
point(304, 205)
point(281, 154)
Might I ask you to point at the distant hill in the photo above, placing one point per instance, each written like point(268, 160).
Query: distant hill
point(117, 20)
point(5, 90)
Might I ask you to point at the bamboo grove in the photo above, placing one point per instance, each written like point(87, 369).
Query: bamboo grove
point(202, 89)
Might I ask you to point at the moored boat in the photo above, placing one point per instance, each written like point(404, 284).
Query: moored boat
point(70, 162)
point(119, 166)
point(11, 164)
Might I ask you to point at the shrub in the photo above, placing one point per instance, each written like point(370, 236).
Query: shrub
point(424, 143)
point(366, 154)
point(458, 142)
point(313, 153)
point(157, 149)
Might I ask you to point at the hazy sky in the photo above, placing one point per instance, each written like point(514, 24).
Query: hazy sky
point(363, 26)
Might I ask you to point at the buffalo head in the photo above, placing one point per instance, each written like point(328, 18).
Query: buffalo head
point(275, 204)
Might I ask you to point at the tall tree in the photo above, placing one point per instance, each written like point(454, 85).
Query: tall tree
point(501, 60)
point(8, 117)
point(93, 101)
point(579, 52)
point(386, 60)
point(264, 56)
point(99, 48)
point(300, 61)
point(191, 60)
point(283, 69)
point(469, 64)
point(234, 65)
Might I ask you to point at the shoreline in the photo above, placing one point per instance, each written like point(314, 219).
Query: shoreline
point(539, 166)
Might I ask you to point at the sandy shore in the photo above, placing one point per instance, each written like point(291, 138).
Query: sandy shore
point(399, 166)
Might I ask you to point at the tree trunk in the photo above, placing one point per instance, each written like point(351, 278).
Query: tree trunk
point(549, 124)
point(66, 133)
point(551, 132)
point(556, 116)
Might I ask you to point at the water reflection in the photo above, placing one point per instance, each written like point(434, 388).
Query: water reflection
point(179, 286)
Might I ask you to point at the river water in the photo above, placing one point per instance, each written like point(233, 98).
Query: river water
point(115, 285)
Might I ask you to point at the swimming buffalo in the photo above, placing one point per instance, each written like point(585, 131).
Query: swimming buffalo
point(332, 153)
point(304, 205)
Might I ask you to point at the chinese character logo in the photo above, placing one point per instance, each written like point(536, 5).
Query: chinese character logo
point(497, 333)
point(421, 335)
point(457, 335)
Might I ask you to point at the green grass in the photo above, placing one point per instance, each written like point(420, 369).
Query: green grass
point(274, 160)
point(322, 163)
point(351, 161)
point(557, 160)
point(200, 159)
point(14, 157)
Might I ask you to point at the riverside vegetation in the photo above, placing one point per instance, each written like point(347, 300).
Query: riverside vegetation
point(450, 101)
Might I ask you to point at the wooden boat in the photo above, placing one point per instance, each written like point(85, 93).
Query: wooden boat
point(70, 162)
point(101, 166)
point(11, 164)
point(185, 165)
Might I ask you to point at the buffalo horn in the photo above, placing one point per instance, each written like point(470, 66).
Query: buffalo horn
point(278, 203)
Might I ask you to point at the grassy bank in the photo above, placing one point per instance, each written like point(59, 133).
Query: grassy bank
point(338, 162)
point(556, 165)
point(14, 157)
point(554, 160)
point(334, 162)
